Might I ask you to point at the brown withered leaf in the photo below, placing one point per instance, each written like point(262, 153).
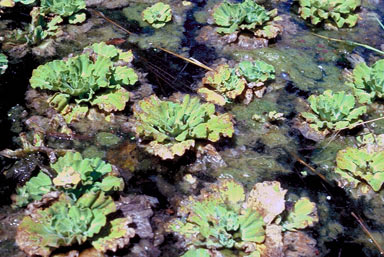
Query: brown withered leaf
point(267, 198)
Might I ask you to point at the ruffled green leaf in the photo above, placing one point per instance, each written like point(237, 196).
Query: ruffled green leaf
point(257, 71)
point(3, 63)
point(358, 166)
point(77, 18)
point(333, 111)
point(172, 127)
point(33, 190)
point(157, 15)
point(248, 15)
point(93, 77)
point(63, 8)
point(112, 100)
point(338, 12)
point(197, 253)
point(222, 85)
point(304, 214)
point(117, 235)
point(64, 223)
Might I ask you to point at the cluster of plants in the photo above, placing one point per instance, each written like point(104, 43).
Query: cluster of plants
point(3, 63)
point(157, 15)
point(333, 111)
point(334, 13)
point(368, 82)
point(46, 19)
point(360, 168)
point(246, 16)
point(225, 84)
point(70, 206)
point(73, 175)
point(169, 128)
point(94, 78)
point(223, 219)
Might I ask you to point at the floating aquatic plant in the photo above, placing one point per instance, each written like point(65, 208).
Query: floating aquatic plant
point(256, 73)
point(360, 168)
point(68, 222)
point(222, 219)
point(75, 176)
point(222, 85)
point(332, 111)
point(368, 82)
point(249, 16)
point(225, 84)
point(65, 8)
point(157, 15)
point(172, 127)
point(332, 12)
point(38, 34)
point(11, 3)
point(3, 63)
point(94, 78)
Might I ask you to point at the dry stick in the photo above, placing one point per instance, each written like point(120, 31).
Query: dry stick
point(368, 233)
point(309, 167)
point(361, 123)
point(191, 60)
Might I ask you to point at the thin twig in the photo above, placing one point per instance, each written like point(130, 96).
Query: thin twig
point(361, 123)
point(365, 229)
point(190, 60)
point(309, 167)
point(381, 24)
point(350, 43)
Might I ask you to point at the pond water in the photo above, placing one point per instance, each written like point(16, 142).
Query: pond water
point(260, 150)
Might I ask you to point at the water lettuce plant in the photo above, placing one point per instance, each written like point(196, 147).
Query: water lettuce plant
point(65, 8)
point(222, 85)
point(333, 111)
point(223, 219)
point(225, 84)
point(172, 127)
point(368, 82)
point(38, 34)
point(157, 15)
point(74, 175)
point(256, 73)
point(360, 168)
point(3, 63)
point(11, 3)
point(68, 222)
point(92, 79)
point(332, 12)
point(248, 16)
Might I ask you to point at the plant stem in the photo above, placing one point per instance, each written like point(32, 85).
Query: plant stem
point(365, 229)
point(350, 43)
